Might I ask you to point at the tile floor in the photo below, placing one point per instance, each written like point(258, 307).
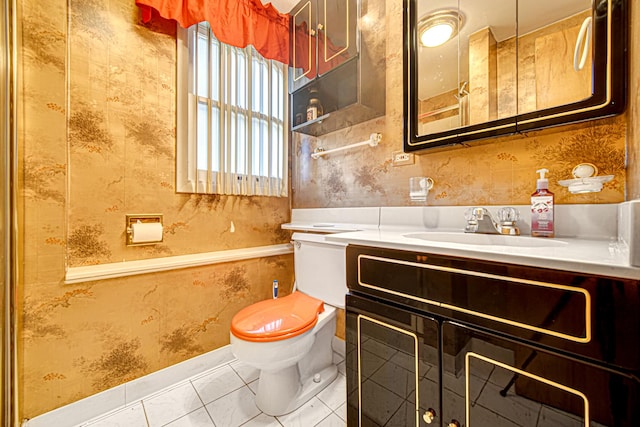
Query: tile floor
point(224, 397)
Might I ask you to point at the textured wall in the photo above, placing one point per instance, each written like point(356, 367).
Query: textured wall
point(633, 174)
point(122, 123)
point(498, 171)
point(90, 155)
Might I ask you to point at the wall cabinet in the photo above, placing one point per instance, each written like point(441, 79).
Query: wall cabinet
point(323, 36)
point(511, 67)
point(456, 342)
point(338, 57)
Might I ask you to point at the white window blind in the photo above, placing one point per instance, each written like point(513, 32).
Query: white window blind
point(232, 118)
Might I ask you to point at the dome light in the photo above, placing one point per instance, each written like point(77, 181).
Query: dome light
point(439, 27)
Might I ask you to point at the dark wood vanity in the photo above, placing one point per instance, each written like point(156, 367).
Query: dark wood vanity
point(451, 341)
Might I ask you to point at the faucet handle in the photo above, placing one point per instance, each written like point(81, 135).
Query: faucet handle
point(474, 214)
point(469, 215)
point(508, 215)
point(508, 218)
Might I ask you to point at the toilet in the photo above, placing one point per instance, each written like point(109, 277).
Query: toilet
point(289, 339)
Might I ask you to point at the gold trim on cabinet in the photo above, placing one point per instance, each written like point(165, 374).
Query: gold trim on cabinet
point(519, 372)
point(467, 133)
point(295, 79)
point(326, 31)
point(415, 343)
point(587, 296)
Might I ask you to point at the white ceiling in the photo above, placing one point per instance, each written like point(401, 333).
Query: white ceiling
point(283, 6)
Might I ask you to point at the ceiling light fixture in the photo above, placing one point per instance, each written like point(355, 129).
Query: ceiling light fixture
point(438, 27)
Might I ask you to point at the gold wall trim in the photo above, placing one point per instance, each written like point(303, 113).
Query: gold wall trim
point(11, 276)
point(325, 33)
point(131, 268)
point(581, 339)
point(415, 343)
point(512, 124)
point(563, 387)
point(295, 62)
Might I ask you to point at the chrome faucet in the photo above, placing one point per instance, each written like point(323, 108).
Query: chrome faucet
point(479, 220)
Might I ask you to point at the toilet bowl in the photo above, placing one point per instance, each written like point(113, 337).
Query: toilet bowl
point(289, 339)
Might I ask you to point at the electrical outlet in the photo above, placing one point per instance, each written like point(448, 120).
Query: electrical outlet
point(400, 158)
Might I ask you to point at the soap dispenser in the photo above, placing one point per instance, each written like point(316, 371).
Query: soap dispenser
point(542, 208)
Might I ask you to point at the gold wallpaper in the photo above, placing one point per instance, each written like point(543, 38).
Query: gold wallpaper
point(500, 173)
point(633, 172)
point(122, 123)
point(497, 171)
point(82, 339)
point(97, 137)
point(97, 130)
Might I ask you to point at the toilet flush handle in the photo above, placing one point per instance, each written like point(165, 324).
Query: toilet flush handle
point(297, 244)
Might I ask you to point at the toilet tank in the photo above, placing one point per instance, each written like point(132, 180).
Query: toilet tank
point(320, 268)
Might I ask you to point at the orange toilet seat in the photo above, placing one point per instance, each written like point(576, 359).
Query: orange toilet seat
point(277, 319)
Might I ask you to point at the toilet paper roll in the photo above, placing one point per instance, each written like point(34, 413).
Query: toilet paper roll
point(142, 232)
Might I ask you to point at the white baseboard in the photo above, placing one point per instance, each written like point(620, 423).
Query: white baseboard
point(125, 394)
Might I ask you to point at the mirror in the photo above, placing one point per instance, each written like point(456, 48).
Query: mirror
point(482, 68)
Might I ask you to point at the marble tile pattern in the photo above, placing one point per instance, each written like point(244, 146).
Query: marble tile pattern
point(190, 402)
point(495, 171)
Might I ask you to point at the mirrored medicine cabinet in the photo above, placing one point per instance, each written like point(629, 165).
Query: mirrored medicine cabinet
point(482, 68)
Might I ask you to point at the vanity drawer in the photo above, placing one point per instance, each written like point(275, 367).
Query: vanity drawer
point(593, 316)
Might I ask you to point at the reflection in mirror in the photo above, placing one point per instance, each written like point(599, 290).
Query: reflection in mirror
point(554, 53)
point(506, 58)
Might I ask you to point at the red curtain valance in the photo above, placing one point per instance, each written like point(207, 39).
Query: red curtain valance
point(234, 22)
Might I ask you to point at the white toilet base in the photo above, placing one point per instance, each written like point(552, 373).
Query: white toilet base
point(287, 367)
point(280, 392)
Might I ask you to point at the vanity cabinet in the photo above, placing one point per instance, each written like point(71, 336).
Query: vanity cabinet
point(475, 343)
point(392, 366)
point(338, 51)
point(511, 66)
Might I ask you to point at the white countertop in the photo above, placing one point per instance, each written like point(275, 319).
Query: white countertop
point(321, 227)
point(579, 255)
point(594, 239)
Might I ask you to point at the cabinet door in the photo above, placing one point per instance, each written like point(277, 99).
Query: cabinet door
point(336, 33)
point(392, 366)
point(303, 44)
point(488, 381)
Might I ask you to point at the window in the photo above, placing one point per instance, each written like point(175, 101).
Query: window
point(232, 110)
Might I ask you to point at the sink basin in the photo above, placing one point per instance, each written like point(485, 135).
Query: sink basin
point(485, 239)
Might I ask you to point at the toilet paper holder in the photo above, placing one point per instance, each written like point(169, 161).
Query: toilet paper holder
point(133, 219)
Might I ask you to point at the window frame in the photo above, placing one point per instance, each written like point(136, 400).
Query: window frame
point(224, 182)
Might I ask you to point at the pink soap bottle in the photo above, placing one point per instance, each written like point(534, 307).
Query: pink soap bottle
point(542, 208)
